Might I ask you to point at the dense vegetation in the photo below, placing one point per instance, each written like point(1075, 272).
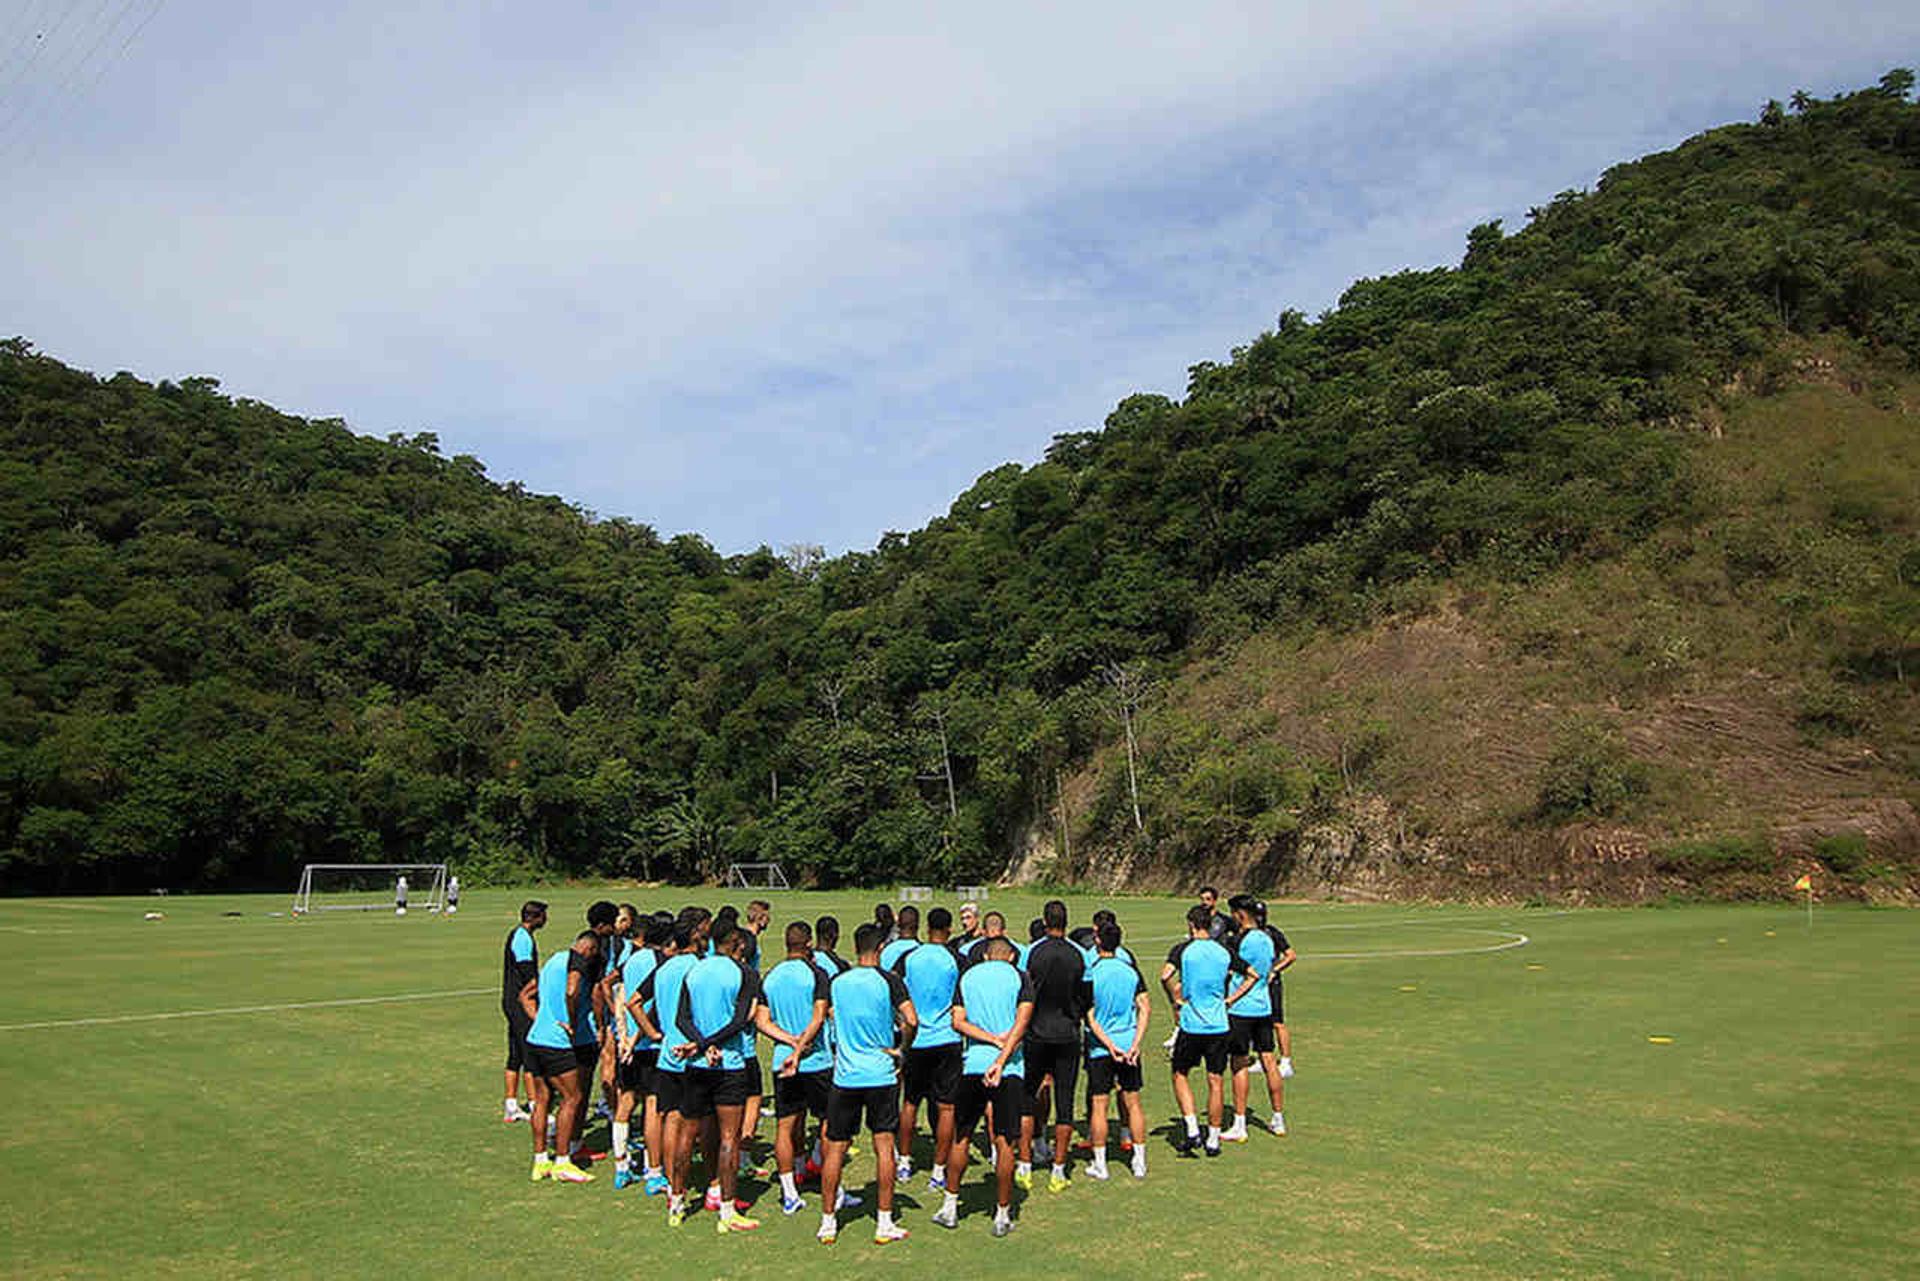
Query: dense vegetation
point(232, 640)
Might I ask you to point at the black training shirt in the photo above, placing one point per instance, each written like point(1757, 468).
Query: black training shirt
point(1057, 970)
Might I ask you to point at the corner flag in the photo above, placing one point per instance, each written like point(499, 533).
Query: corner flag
point(1805, 882)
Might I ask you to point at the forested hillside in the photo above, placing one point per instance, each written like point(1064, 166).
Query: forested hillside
point(232, 640)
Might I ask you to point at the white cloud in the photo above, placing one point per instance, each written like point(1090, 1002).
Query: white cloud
point(783, 275)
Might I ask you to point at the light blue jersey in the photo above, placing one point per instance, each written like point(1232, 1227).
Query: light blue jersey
point(1256, 951)
point(992, 993)
point(1204, 966)
point(931, 973)
point(890, 954)
point(668, 983)
point(640, 962)
point(864, 999)
point(1115, 984)
point(551, 993)
point(720, 996)
point(791, 988)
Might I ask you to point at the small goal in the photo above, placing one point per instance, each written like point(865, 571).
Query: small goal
point(757, 876)
point(370, 887)
point(971, 893)
point(916, 893)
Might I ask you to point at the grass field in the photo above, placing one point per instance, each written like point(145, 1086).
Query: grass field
point(1458, 1111)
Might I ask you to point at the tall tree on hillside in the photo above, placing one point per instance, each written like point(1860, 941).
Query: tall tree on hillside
point(1129, 688)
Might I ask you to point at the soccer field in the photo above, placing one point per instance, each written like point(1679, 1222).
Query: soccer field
point(1478, 1094)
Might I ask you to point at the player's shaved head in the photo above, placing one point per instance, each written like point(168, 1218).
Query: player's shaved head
point(993, 923)
point(867, 940)
point(1000, 948)
point(799, 936)
point(909, 919)
point(827, 930)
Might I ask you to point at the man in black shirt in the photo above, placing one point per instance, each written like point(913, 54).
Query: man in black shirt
point(519, 966)
point(1057, 971)
point(1219, 924)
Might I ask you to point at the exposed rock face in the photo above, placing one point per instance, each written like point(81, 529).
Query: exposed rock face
point(1370, 853)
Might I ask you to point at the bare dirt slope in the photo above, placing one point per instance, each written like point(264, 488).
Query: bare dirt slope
point(1746, 668)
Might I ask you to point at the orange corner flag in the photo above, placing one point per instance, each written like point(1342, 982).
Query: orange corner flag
point(1804, 883)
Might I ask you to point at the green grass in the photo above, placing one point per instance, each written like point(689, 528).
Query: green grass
point(1493, 1113)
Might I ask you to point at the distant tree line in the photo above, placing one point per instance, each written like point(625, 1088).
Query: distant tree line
point(232, 640)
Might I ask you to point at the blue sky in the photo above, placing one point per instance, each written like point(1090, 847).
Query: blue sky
point(789, 275)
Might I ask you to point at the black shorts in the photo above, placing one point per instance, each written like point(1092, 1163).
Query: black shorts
point(710, 1088)
point(1249, 1035)
point(1105, 1072)
point(669, 1092)
point(970, 1100)
point(587, 1057)
point(756, 1079)
point(551, 1064)
point(1061, 1061)
point(880, 1103)
point(931, 1075)
point(1277, 995)
point(801, 1093)
point(518, 1025)
point(637, 1073)
point(1191, 1048)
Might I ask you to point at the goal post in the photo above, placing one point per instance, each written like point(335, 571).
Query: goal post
point(370, 887)
point(757, 876)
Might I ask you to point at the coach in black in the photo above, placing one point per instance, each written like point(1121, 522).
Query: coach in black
point(1056, 970)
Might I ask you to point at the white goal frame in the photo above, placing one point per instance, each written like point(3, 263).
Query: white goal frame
point(771, 876)
point(429, 895)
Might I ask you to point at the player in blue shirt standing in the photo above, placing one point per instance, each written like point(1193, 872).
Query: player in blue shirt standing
point(1250, 1019)
point(723, 1002)
point(992, 1009)
point(638, 1059)
point(796, 991)
point(931, 1071)
point(1118, 1008)
point(519, 967)
point(562, 1047)
point(1195, 977)
point(665, 990)
point(870, 1011)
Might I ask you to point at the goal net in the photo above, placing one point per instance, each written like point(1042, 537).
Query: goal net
point(756, 876)
point(370, 887)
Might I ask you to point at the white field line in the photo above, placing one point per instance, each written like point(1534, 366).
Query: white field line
point(1512, 940)
point(1509, 940)
point(245, 1009)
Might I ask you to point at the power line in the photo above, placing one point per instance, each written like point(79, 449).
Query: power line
point(32, 97)
point(34, 45)
point(31, 37)
point(102, 67)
